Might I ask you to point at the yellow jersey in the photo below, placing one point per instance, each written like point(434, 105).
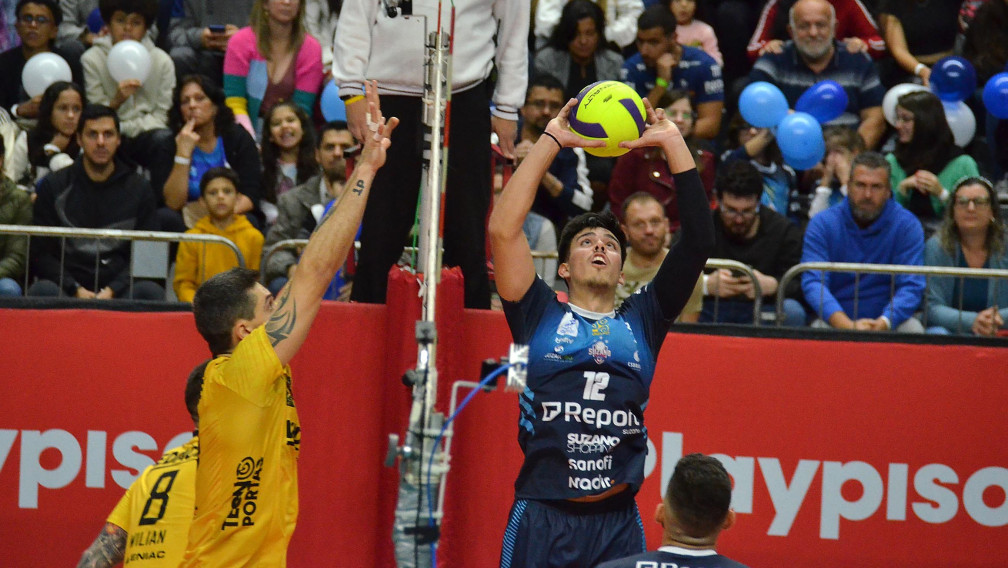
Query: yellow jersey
point(157, 509)
point(246, 484)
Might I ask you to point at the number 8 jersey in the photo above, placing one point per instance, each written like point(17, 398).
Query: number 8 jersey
point(157, 509)
point(581, 423)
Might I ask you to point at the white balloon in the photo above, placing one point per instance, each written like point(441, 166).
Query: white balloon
point(42, 70)
point(129, 59)
point(961, 121)
point(893, 95)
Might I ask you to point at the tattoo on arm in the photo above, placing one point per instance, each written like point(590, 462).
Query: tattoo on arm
point(359, 187)
point(281, 324)
point(107, 550)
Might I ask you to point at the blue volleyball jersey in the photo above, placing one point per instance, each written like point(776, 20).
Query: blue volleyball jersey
point(674, 557)
point(581, 423)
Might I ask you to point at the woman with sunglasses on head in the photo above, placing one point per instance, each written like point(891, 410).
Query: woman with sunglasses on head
point(971, 236)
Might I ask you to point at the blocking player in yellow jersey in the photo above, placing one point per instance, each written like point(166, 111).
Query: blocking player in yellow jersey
point(246, 483)
point(149, 527)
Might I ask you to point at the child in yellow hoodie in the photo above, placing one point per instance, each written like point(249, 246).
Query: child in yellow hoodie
point(196, 261)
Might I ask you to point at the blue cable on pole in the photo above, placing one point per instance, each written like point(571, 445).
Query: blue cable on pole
point(430, 462)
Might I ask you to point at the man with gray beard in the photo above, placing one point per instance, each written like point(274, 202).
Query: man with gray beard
point(301, 208)
point(869, 227)
point(814, 55)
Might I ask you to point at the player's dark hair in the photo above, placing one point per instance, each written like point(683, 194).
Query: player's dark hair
point(220, 302)
point(147, 9)
point(219, 172)
point(53, 5)
point(194, 390)
point(605, 220)
point(94, 112)
point(739, 178)
point(657, 16)
point(699, 494)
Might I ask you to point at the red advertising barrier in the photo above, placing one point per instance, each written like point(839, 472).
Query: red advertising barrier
point(843, 453)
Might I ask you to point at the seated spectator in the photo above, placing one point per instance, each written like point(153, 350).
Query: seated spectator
point(576, 54)
point(854, 24)
point(15, 209)
point(758, 146)
point(301, 208)
point(200, 34)
point(647, 233)
point(645, 169)
point(871, 228)
point(693, 32)
point(663, 64)
point(564, 191)
point(813, 55)
point(972, 236)
point(99, 191)
point(985, 43)
point(917, 34)
point(142, 108)
point(696, 508)
point(926, 161)
point(756, 236)
point(52, 144)
point(195, 261)
point(37, 23)
point(271, 61)
point(208, 137)
point(842, 145)
point(77, 31)
point(321, 17)
point(620, 16)
point(288, 154)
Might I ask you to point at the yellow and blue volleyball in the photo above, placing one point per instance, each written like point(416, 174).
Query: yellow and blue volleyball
point(610, 111)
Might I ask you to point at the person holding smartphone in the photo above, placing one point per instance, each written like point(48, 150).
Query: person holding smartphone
point(200, 33)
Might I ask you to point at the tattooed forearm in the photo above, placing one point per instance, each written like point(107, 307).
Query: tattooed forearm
point(281, 323)
point(107, 550)
point(359, 187)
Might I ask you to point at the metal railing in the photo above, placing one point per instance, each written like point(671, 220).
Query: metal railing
point(748, 270)
point(64, 233)
point(891, 269)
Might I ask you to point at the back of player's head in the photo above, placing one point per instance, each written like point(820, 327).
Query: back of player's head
point(699, 495)
point(604, 220)
point(739, 178)
point(220, 302)
point(194, 389)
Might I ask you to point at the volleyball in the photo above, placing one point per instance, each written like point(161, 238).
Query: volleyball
point(610, 111)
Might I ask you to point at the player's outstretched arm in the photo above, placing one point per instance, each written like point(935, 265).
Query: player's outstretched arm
point(681, 267)
point(327, 248)
point(107, 550)
point(514, 271)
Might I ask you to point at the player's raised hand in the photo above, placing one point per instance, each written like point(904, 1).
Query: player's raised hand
point(377, 138)
point(658, 131)
point(559, 129)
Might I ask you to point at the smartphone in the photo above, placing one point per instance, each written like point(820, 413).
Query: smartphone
point(216, 29)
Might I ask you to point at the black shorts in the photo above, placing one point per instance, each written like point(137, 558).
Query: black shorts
point(555, 534)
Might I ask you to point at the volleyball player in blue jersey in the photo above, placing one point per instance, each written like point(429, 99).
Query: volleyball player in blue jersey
point(590, 366)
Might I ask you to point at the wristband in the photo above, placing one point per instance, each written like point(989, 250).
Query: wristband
point(52, 148)
point(353, 99)
point(703, 285)
point(559, 145)
point(182, 161)
point(661, 82)
point(918, 68)
point(13, 110)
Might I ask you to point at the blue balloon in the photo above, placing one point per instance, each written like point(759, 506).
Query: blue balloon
point(762, 104)
point(94, 21)
point(825, 101)
point(800, 140)
point(330, 103)
point(801, 164)
point(953, 79)
point(995, 95)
